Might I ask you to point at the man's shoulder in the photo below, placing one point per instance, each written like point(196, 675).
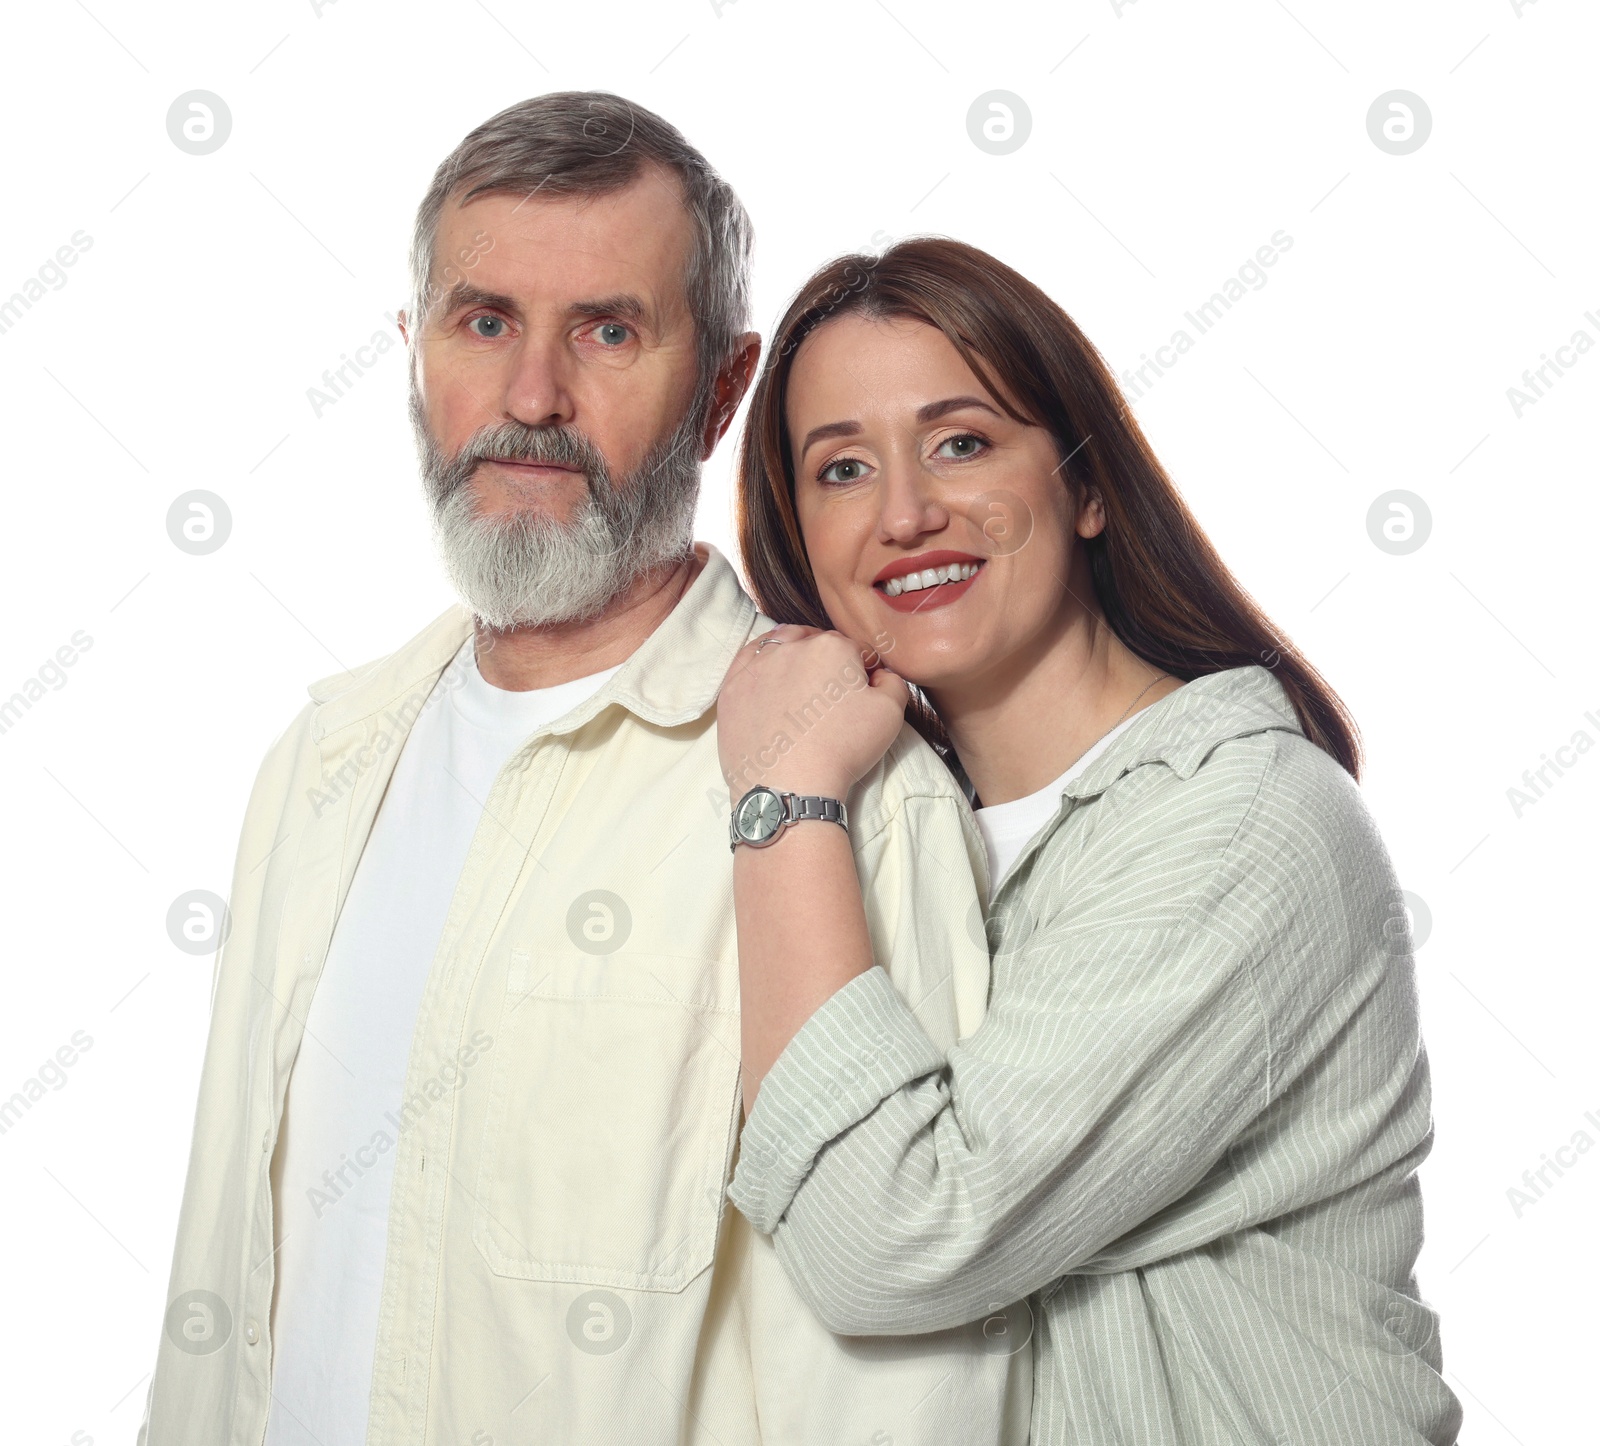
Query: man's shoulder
point(912, 769)
point(922, 866)
point(340, 698)
point(426, 651)
point(910, 778)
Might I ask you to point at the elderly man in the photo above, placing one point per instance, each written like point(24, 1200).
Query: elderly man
point(471, 1095)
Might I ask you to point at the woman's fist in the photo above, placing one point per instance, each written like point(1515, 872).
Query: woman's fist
point(800, 712)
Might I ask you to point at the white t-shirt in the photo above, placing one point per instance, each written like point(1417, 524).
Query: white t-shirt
point(1007, 827)
point(334, 1164)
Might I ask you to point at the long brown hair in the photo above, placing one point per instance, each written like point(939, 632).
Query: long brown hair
point(1159, 582)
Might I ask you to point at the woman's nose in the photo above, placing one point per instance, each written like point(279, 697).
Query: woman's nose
point(910, 507)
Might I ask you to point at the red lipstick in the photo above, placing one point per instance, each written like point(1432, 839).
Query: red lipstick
point(936, 595)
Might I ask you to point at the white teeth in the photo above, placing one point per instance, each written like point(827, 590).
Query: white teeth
point(930, 577)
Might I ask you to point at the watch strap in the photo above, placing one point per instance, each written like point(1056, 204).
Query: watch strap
point(797, 808)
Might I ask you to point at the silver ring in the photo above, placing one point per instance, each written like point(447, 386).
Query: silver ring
point(764, 641)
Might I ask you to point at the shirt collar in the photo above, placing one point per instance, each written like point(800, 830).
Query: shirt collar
point(672, 678)
point(1182, 729)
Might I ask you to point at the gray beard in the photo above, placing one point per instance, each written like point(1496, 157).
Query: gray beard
point(529, 569)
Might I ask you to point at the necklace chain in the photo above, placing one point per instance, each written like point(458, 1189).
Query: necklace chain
point(976, 802)
point(1147, 687)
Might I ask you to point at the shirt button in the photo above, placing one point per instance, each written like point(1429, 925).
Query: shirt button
point(251, 1334)
point(266, 1141)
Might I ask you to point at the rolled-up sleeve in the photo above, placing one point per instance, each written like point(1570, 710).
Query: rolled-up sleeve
point(912, 1193)
point(861, 1046)
point(1130, 1043)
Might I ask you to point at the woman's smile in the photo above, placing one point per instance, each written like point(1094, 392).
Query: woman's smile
point(927, 580)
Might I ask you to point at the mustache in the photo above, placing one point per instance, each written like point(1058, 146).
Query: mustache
point(517, 442)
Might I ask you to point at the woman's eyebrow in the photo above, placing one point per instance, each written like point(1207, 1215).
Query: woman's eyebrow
point(928, 412)
point(826, 430)
point(934, 410)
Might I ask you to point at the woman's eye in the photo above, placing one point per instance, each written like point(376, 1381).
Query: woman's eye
point(612, 333)
point(966, 445)
point(845, 470)
point(488, 326)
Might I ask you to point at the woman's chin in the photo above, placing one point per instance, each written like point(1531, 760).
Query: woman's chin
point(929, 674)
point(928, 662)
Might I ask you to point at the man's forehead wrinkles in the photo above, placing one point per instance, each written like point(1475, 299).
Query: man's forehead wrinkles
point(587, 248)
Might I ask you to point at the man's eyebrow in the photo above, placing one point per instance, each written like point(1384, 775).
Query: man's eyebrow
point(929, 412)
point(464, 293)
point(627, 306)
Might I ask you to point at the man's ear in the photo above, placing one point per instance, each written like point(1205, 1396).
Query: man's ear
point(732, 383)
point(404, 323)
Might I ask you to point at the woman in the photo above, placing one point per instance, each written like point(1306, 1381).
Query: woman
point(1188, 1130)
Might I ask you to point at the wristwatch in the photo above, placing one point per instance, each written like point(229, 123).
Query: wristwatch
point(761, 816)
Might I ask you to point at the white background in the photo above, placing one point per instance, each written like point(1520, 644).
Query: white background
point(1168, 142)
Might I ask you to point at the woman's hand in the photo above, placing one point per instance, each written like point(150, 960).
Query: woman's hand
point(800, 712)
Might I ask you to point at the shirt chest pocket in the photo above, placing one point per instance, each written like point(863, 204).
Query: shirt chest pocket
point(610, 1123)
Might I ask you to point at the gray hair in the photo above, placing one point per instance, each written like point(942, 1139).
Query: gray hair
point(590, 143)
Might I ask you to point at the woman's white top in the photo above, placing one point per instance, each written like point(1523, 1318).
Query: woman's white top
point(1007, 827)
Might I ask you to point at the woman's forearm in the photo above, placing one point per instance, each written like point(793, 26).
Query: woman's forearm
point(802, 936)
point(797, 901)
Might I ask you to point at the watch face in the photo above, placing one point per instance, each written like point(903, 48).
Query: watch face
point(760, 815)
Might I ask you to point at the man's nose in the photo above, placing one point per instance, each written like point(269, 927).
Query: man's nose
point(538, 384)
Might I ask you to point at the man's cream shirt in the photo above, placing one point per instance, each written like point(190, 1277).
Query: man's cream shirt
point(561, 1264)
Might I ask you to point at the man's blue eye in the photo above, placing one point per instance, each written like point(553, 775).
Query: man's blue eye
point(487, 326)
point(612, 333)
